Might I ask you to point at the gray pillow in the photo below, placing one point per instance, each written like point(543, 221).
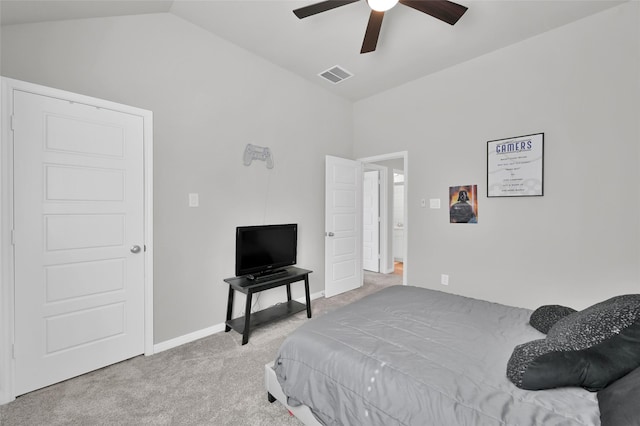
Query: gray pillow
point(546, 316)
point(591, 348)
point(619, 402)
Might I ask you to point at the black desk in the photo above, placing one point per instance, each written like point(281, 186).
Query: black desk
point(249, 287)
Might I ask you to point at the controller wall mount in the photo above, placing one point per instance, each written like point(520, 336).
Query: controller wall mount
point(254, 152)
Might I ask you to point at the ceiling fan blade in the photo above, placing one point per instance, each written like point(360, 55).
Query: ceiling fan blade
point(443, 10)
point(373, 31)
point(323, 6)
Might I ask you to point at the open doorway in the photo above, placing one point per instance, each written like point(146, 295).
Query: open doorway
point(398, 216)
point(393, 223)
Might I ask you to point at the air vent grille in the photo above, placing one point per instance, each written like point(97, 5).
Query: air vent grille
point(335, 74)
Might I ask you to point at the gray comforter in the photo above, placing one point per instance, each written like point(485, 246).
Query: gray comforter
point(413, 356)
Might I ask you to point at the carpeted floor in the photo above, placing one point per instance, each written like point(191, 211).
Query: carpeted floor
point(213, 381)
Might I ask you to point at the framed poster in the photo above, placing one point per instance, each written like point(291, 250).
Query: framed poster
point(515, 166)
point(463, 204)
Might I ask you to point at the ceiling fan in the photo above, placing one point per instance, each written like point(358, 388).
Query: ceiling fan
point(443, 10)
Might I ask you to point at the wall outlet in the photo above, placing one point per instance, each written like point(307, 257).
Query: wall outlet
point(444, 279)
point(194, 200)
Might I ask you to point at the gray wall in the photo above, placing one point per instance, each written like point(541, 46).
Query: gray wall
point(577, 244)
point(209, 99)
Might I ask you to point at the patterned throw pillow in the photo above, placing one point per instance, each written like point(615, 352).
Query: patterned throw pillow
point(546, 316)
point(590, 348)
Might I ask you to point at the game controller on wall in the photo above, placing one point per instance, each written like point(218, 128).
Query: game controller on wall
point(254, 152)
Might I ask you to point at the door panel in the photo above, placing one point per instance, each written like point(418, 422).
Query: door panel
point(82, 279)
point(88, 325)
point(343, 225)
point(79, 207)
point(83, 184)
point(77, 231)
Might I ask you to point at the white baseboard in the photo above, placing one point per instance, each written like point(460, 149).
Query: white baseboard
point(187, 338)
point(206, 332)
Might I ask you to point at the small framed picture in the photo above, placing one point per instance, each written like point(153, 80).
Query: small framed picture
point(515, 166)
point(463, 204)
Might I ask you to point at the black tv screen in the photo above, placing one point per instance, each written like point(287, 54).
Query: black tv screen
point(261, 249)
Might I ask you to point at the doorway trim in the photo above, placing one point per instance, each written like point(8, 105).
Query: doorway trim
point(404, 155)
point(7, 276)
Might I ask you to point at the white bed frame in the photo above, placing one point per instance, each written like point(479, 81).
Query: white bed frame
point(274, 392)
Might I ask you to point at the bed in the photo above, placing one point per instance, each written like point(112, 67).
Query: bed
point(413, 356)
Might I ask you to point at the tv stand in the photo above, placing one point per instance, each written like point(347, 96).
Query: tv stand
point(249, 286)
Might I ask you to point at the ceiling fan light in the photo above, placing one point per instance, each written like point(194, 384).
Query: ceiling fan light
point(381, 5)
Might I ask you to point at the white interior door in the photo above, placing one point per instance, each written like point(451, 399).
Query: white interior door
point(371, 221)
point(79, 238)
point(343, 225)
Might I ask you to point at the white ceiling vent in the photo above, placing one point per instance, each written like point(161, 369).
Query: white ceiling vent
point(336, 74)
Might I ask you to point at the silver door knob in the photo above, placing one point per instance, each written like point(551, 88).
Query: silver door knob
point(330, 234)
point(135, 249)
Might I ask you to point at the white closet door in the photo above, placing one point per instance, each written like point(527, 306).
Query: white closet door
point(79, 218)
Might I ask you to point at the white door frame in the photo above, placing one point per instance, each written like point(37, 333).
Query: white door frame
point(7, 382)
point(393, 156)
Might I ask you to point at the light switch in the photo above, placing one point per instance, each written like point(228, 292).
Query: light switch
point(194, 200)
point(434, 203)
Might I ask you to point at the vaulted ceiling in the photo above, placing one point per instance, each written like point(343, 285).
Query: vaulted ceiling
point(411, 44)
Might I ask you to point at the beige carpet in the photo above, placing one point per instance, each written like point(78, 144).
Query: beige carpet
point(213, 381)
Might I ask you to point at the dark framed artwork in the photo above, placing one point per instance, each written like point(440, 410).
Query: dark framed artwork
point(515, 166)
point(463, 204)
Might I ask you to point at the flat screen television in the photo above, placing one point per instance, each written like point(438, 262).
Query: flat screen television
point(261, 250)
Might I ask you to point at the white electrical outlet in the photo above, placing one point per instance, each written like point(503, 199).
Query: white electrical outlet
point(194, 200)
point(444, 279)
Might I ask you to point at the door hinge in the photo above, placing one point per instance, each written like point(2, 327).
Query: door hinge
point(13, 237)
point(13, 122)
point(145, 247)
point(13, 351)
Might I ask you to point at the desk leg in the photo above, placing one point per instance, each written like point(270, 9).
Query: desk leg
point(289, 292)
point(247, 319)
point(229, 308)
point(306, 293)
